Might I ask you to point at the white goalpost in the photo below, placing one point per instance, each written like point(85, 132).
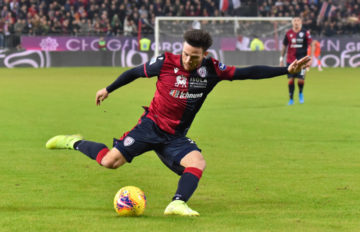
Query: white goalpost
point(225, 30)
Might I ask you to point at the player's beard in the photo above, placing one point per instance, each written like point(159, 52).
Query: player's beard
point(189, 67)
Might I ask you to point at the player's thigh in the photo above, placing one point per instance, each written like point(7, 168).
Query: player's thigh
point(139, 140)
point(174, 152)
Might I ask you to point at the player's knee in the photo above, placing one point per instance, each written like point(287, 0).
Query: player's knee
point(200, 163)
point(113, 162)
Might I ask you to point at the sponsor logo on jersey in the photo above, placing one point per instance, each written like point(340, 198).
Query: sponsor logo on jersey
point(184, 95)
point(128, 141)
point(197, 82)
point(181, 81)
point(222, 66)
point(202, 72)
point(296, 46)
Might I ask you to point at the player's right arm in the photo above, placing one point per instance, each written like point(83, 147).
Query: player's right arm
point(149, 69)
point(282, 55)
point(283, 50)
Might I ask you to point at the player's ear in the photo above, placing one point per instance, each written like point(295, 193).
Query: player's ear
point(206, 53)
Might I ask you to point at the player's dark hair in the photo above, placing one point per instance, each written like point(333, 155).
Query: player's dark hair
point(198, 38)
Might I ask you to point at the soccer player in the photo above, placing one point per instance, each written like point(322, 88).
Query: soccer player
point(296, 42)
point(317, 53)
point(183, 83)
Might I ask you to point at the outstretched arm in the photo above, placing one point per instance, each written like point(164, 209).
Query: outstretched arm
point(262, 72)
point(125, 78)
point(149, 69)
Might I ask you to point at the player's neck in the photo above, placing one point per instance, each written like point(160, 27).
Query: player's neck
point(297, 30)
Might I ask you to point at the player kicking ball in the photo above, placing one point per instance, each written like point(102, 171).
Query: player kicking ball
point(184, 81)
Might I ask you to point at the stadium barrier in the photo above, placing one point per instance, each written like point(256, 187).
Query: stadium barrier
point(44, 59)
point(43, 52)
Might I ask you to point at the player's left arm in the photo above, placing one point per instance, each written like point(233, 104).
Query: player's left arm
point(262, 72)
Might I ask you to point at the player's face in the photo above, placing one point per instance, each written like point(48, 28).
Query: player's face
point(192, 57)
point(296, 22)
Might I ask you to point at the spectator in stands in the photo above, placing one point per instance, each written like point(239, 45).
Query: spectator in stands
point(7, 29)
point(2, 37)
point(129, 27)
point(18, 30)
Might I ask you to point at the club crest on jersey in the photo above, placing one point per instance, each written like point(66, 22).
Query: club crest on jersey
point(128, 141)
point(181, 81)
point(301, 34)
point(176, 70)
point(153, 60)
point(202, 72)
point(222, 66)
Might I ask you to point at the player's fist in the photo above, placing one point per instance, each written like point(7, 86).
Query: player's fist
point(101, 95)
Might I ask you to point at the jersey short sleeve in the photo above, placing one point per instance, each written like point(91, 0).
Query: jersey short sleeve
point(223, 71)
point(152, 68)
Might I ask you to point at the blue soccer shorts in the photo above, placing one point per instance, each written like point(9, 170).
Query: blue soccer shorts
point(146, 136)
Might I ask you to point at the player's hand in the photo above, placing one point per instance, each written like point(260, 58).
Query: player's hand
point(281, 63)
point(101, 95)
point(298, 65)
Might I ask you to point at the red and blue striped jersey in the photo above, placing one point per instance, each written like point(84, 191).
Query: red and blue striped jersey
point(297, 44)
point(179, 93)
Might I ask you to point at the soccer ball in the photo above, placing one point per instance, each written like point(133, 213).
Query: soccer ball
point(130, 201)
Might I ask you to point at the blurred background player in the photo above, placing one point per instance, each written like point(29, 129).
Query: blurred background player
point(317, 54)
point(295, 45)
point(102, 44)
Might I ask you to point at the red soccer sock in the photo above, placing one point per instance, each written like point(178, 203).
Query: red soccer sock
point(93, 150)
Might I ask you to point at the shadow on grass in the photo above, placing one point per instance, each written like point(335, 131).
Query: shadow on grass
point(47, 208)
point(110, 214)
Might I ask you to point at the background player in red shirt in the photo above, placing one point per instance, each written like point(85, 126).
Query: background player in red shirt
point(183, 83)
point(295, 44)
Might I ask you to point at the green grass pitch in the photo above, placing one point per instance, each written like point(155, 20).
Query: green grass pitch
point(270, 167)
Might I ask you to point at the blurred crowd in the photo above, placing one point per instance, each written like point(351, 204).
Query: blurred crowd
point(126, 17)
point(321, 17)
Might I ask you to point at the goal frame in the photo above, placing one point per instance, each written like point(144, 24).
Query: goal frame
point(163, 18)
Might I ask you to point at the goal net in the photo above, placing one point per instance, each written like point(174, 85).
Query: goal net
point(230, 34)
